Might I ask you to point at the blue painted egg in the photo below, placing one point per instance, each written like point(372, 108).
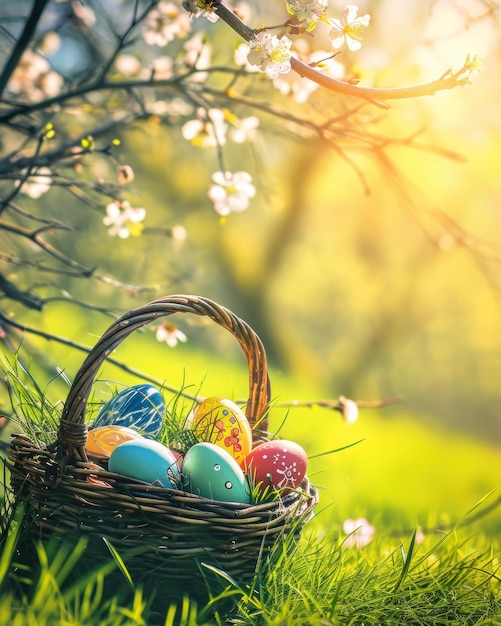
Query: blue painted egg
point(148, 460)
point(140, 407)
point(211, 472)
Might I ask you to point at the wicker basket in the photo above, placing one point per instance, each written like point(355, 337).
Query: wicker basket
point(165, 531)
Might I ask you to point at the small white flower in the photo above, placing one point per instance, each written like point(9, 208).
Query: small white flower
point(243, 10)
point(123, 219)
point(207, 131)
point(128, 65)
point(176, 108)
point(37, 183)
point(359, 532)
point(307, 12)
point(244, 129)
point(271, 54)
point(178, 233)
point(231, 192)
point(34, 78)
point(170, 334)
point(349, 29)
point(165, 23)
point(161, 67)
point(240, 58)
point(199, 8)
point(84, 13)
point(198, 55)
point(349, 409)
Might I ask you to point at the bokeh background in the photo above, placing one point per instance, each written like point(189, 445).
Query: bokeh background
point(370, 267)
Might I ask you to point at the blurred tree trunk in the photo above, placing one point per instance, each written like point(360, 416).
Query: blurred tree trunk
point(253, 298)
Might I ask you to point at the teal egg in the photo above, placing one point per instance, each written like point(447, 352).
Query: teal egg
point(140, 407)
point(211, 472)
point(146, 459)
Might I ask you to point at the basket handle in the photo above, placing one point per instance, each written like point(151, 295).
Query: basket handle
point(72, 433)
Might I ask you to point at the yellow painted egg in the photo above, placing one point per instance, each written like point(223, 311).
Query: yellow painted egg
point(103, 440)
point(222, 422)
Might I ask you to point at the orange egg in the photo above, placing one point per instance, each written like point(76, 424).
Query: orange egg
point(103, 440)
point(221, 421)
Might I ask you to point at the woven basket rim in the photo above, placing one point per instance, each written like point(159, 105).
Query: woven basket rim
point(73, 430)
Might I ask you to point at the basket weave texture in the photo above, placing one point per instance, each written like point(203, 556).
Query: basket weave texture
point(156, 529)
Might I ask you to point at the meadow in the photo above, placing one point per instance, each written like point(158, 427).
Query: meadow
point(429, 494)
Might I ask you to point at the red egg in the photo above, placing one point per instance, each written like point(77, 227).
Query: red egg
point(179, 458)
point(280, 464)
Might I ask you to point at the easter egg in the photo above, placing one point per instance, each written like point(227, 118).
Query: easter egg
point(221, 421)
point(140, 407)
point(103, 440)
point(211, 472)
point(279, 464)
point(178, 456)
point(146, 460)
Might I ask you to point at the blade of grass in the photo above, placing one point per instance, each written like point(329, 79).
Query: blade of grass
point(120, 562)
point(407, 562)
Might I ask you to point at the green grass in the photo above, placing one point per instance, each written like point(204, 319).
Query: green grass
point(401, 476)
point(453, 580)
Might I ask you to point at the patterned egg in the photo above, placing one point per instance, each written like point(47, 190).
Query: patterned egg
point(280, 464)
point(221, 421)
point(146, 460)
point(211, 472)
point(103, 440)
point(140, 407)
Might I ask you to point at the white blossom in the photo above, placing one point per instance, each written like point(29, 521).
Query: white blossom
point(170, 334)
point(123, 219)
point(198, 55)
point(231, 192)
point(349, 29)
point(165, 23)
point(208, 130)
point(34, 78)
point(37, 183)
point(240, 58)
point(243, 129)
point(349, 409)
point(307, 12)
point(359, 532)
point(271, 54)
point(84, 13)
point(128, 65)
point(199, 9)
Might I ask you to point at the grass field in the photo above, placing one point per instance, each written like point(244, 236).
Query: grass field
point(429, 494)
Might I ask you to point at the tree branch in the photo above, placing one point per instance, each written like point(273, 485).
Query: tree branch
point(28, 299)
point(375, 95)
point(22, 42)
